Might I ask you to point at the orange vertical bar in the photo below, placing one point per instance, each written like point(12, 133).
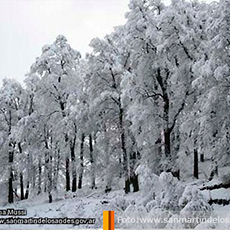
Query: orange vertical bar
point(108, 220)
point(105, 220)
point(111, 220)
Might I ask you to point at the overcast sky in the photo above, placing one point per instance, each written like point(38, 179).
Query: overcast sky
point(27, 25)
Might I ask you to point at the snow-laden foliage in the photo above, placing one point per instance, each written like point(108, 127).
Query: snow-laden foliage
point(171, 192)
point(145, 113)
point(162, 191)
point(194, 205)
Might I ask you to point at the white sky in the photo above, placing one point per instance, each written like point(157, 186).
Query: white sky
point(27, 25)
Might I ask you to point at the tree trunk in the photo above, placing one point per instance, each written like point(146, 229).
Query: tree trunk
point(120, 166)
point(21, 186)
point(67, 176)
point(93, 184)
point(11, 191)
point(108, 173)
point(134, 181)
point(28, 176)
point(201, 157)
point(33, 176)
point(50, 198)
point(73, 160)
point(133, 157)
point(167, 142)
point(46, 171)
point(123, 148)
point(74, 173)
point(127, 185)
point(167, 132)
point(81, 162)
point(21, 176)
point(164, 85)
point(10, 186)
point(67, 171)
point(49, 169)
point(133, 176)
point(27, 190)
point(195, 173)
point(39, 176)
point(56, 168)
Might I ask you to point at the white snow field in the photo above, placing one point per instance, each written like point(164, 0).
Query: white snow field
point(160, 201)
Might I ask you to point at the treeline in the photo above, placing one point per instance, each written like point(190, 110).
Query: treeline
point(153, 92)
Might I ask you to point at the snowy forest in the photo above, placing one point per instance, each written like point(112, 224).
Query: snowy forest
point(140, 123)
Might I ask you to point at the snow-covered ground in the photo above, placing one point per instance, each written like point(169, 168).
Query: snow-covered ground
point(82, 206)
point(160, 198)
point(93, 205)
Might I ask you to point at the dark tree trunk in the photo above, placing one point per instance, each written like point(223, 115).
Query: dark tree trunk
point(167, 131)
point(195, 172)
point(133, 158)
point(67, 176)
point(50, 181)
point(46, 173)
point(167, 143)
point(21, 176)
point(93, 184)
point(73, 160)
point(21, 186)
point(201, 157)
point(135, 183)
point(27, 190)
point(133, 161)
point(123, 148)
point(11, 191)
point(67, 170)
point(11, 175)
point(50, 198)
point(11, 156)
point(127, 185)
point(56, 168)
point(121, 166)
point(74, 173)
point(74, 184)
point(39, 176)
point(48, 166)
point(108, 178)
point(82, 162)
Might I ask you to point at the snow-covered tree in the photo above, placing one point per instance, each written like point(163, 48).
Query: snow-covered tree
point(163, 41)
point(57, 70)
point(108, 63)
point(11, 112)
